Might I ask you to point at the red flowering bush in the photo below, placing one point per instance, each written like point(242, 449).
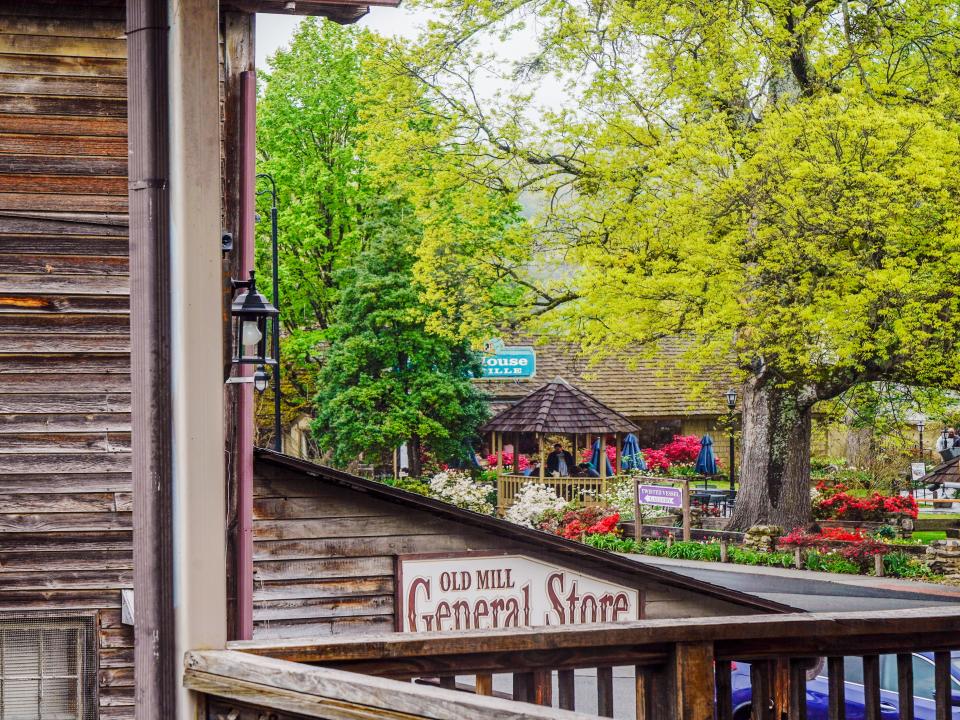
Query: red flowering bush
point(835, 503)
point(656, 459)
point(574, 524)
point(682, 449)
point(508, 461)
point(587, 454)
point(853, 545)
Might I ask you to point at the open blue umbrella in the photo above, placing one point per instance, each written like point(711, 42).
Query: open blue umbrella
point(706, 460)
point(595, 459)
point(630, 457)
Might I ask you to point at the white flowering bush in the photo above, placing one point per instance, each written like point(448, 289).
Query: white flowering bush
point(458, 488)
point(619, 495)
point(532, 501)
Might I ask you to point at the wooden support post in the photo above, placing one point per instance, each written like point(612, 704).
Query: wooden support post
point(448, 681)
point(654, 694)
point(797, 558)
point(761, 685)
point(516, 453)
point(566, 689)
point(905, 685)
point(878, 565)
point(836, 707)
point(686, 510)
point(798, 689)
point(942, 685)
point(484, 684)
point(605, 691)
point(871, 687)
point(724, 551)
point(637, 518)
point(543, 457)
point(543, 687)
point(602, 459)
point(498, 449)
point(693, 680)
point(724, 690)
point(618, 468)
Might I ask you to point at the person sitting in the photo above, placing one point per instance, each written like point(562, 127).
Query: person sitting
point(587, 470)
point(559, 462)
point(532, 469)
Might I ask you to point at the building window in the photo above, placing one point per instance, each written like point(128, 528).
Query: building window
point(47, 668)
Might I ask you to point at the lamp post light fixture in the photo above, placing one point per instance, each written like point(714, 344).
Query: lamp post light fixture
point(731, 396)
point(252, 312)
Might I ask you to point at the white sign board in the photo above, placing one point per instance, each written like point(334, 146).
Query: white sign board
point(917, 470)
point(471, 591)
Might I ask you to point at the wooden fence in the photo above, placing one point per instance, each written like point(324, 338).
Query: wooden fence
point(585, 490)
point(679, 669)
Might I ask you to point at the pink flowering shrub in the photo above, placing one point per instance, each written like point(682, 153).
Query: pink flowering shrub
point(508, 461)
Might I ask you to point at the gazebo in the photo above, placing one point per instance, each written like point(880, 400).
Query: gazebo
point(557, 408)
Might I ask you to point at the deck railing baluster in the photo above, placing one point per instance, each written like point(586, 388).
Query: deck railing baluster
point(871, 687)
point(724, 690)
point(523, 686)
point(605, 691)
point(798, 689)
point(484, 684)
point(760, 681)
point(836, 705)
point(942, 685)
point(566, 689)
point(905, 685)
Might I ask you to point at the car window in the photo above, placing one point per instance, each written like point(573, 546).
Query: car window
point(923, 675)
point(853, 669)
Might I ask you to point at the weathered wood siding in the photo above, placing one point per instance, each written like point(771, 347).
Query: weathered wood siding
point(324, 558)
point(65, 520)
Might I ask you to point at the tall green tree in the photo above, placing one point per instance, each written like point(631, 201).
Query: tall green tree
point(386, 379)
point(776, 181)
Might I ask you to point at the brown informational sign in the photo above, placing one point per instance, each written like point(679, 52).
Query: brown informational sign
point(480, 590)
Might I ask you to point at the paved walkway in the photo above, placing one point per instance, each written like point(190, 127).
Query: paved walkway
point(814, 591)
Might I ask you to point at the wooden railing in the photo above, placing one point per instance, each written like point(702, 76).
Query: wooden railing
point(674, 668)
point(241, 686)
point(585, 490)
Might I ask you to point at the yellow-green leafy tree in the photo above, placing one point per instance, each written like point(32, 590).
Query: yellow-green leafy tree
point(776, 181)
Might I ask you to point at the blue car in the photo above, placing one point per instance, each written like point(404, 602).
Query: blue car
point(817, 692)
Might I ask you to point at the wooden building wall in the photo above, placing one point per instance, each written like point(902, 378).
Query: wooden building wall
point(65, 503)
point(324, 558)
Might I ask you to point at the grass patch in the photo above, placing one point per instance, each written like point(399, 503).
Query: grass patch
point(927, 536)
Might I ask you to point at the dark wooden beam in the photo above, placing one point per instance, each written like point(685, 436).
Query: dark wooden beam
point(155, 658)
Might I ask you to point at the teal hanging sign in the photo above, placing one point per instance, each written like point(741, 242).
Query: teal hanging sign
point(501, 362)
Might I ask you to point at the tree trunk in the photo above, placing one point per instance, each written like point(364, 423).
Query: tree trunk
point(413, 456)
point(775, 465)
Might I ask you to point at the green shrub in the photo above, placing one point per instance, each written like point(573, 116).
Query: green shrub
point(900, 564)
point(409, 484)
point(831, 562)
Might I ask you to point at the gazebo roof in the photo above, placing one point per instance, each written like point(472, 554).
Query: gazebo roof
point(559, 407)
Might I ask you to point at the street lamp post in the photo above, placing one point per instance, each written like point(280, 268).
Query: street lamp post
point(275, 258)
point(731, 396)
point(921, 424)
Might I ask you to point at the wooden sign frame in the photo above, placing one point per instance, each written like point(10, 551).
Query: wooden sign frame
point(684, 484)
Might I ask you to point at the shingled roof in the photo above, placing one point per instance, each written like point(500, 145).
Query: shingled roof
point(631, 382)
point(559, 407)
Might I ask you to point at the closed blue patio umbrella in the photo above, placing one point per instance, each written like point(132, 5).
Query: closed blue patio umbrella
point(595, 459)
point(706, 460)
point(630, 457)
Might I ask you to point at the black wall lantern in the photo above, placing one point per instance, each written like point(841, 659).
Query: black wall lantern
point(255, 318)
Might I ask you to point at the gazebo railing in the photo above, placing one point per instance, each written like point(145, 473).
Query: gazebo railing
point(586, 490)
